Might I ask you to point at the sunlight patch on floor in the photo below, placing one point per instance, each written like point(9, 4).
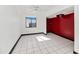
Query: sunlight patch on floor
point(42, 38)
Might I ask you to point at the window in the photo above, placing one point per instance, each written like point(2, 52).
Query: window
point(30, 21)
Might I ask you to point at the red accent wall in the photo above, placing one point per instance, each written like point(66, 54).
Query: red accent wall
point(63, 26)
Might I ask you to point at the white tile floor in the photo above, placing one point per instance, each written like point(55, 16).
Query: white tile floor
point(54, 44)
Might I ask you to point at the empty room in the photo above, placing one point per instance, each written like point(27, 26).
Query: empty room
point(37, 29)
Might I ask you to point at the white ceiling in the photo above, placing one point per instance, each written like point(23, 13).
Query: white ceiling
point(38, 8)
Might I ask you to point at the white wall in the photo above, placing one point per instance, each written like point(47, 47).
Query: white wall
point(40, 17)
point(76, 44)
point(9, 28)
